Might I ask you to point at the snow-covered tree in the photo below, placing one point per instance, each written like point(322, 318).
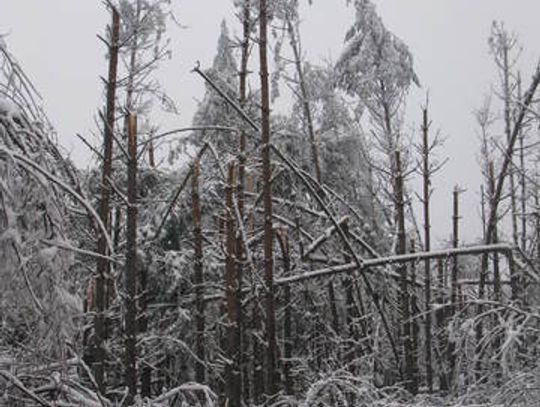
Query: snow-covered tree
point(377, 67)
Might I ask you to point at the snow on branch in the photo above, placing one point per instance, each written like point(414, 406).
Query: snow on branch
point(34, 168)
point(325, 236)
point(402, 258)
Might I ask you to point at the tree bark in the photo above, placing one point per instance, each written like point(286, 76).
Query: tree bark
point(131, 265)
point(103, 266)
point(271, 379)
point(240, 252)
point(283, 238)
point(413, 324)
point(306, 107)
point(479, 330)
point(406, 341)
point(200, 370)
point(440, 317)
point(454, 284)
point(508, 154)
point(426, 173)
point(234, 382)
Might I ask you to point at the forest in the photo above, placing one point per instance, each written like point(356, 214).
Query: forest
point(278, 251)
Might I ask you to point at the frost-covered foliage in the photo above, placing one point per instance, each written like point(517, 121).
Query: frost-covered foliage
point(213, 109)
point(144, 46)
point(37, 280)
point(377, 67)
point(374, 57)
point(337, 318)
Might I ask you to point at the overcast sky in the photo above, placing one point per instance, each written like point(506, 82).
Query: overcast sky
point(55, 42)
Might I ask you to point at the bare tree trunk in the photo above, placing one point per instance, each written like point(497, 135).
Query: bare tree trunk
point(240, 252)
point(523, 184)
point(408, 363)
point(305, 102)
point(271, 379)
point(508, 155)
point(333, 307)
point(516, 283)
point(200, 371)
point(133, 48)
point(537, 220)
point(497, 291)
point(354, 310)
point(151, 155)
point(508, 132)
point(308, 121)
point(426, 172)
point(283, 238)
point(131, 265)
point(234, 382)
point(511, 172)
point(440, 319)
point(146, 369)
point(479, 331)
point(413, 325)
point(454, 286)
point(494, 238)
point(103, 265)
point(257, 355)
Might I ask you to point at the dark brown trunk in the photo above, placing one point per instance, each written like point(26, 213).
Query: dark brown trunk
point(131, 265)
point(426, 173)
point(508, 133)
point(522, 178)
point(508, 154)
point(516, 283)
point(497, 292)
point(454, 284)
point(151, 156)
point(440, 316)
point(494, 237)
point(104, 205)
point(146, 369)
point(246, 28)
point(479, 330)
point(271, 379)
point(234, 383)
point(200, 370)
point(305, 102)
point(133, 48)
point(537, 220)
point(246, 25)
point(283, 238)
point(406, 340)
point(413, 325)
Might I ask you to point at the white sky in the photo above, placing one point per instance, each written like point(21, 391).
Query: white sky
point(55, 42)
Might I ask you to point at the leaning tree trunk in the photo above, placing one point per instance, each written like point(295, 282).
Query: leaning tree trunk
point(308, 121)
point(306, 106)
point(524, 105)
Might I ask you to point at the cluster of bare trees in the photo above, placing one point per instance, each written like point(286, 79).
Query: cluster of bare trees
point(259, 273)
